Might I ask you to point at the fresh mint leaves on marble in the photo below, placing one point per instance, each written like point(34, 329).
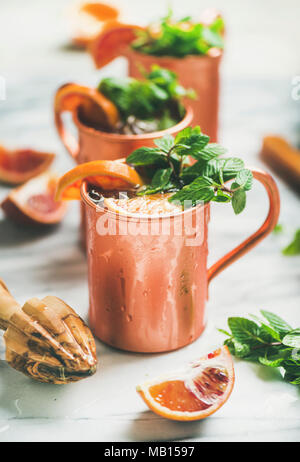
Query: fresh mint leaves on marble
point(278, 229)
point(168, 167)
point(294, 247)
point(269, 340)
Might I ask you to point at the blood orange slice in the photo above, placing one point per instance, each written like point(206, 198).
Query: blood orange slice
point(33, 203)
point(21, 165)
point(154, 205)
point(95, 107)
point(194, 392)
point(111, 42)
point(100, 11)
point(109, 175)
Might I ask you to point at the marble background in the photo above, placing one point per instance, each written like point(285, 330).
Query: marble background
point(261, 59)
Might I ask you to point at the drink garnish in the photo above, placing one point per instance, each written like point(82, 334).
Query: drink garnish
point(169, 169)
point(166, 168)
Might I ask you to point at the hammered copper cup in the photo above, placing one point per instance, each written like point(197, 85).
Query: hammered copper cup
point(201, 73)
point(93, 144)
point(148, 283)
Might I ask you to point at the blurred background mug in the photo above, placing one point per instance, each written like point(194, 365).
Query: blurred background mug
point(200, 73)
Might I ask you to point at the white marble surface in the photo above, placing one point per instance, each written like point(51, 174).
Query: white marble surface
point(256, 99)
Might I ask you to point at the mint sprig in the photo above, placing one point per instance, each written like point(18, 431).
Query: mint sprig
point(270, 341)
point(158, 95)
point(180, 38)
point(168, 167)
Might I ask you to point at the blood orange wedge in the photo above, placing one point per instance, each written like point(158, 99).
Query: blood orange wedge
point(154, 205)
point(194, 392)
point(111, 42)
point(109, 175)
point(100, 11)
point(95, 107)
point(88, 20)
point(20, 165)
point(33, 203)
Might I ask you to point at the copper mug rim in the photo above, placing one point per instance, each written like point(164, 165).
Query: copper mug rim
point(134, 218)
point(216, 53)
point(213, 54)
point(117, 138)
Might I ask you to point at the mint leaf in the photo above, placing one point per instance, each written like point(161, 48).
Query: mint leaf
point(213, 150)
point(243, 329)
point(239, 349)
point(222, 197)
point(269, 362)
point(165, 143)
point(201, 189)
point(244, 179)
point(232, 165)
point(271, 332)
point(192, 172)
point(292, 339)
point(228, 168)
point(193, 146)
point(218, 25)
point(278, 229)
point(146, 156)
point(225, 332)
point(276, 322)
point(161, 178)
point(213, 38)
point(186, 133)
point(191, 141)
point(238, 201)
point(294, 247)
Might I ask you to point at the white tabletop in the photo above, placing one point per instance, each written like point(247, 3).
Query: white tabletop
point(256, 99)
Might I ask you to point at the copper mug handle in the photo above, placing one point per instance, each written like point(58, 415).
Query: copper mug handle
point(70, 97)
point(268, 225)
point(61, 106)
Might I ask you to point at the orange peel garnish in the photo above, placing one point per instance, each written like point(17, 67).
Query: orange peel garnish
point(94, 105)
point(109, 175)
point(111, 41)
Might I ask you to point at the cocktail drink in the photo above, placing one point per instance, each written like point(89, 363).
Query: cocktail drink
point(193, 49)
point(150, 290)
point(147, 230)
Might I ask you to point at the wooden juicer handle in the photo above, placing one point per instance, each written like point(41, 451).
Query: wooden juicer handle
point(46, 340)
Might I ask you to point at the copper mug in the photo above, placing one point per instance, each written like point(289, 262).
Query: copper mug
point(148, 289)
point(200, 73)
point(94, 144)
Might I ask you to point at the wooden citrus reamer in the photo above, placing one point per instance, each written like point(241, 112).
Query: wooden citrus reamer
point(46, 340)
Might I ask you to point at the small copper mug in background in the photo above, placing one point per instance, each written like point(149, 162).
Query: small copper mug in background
point(200, 73)
point(94, 144)
point(148, 291)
